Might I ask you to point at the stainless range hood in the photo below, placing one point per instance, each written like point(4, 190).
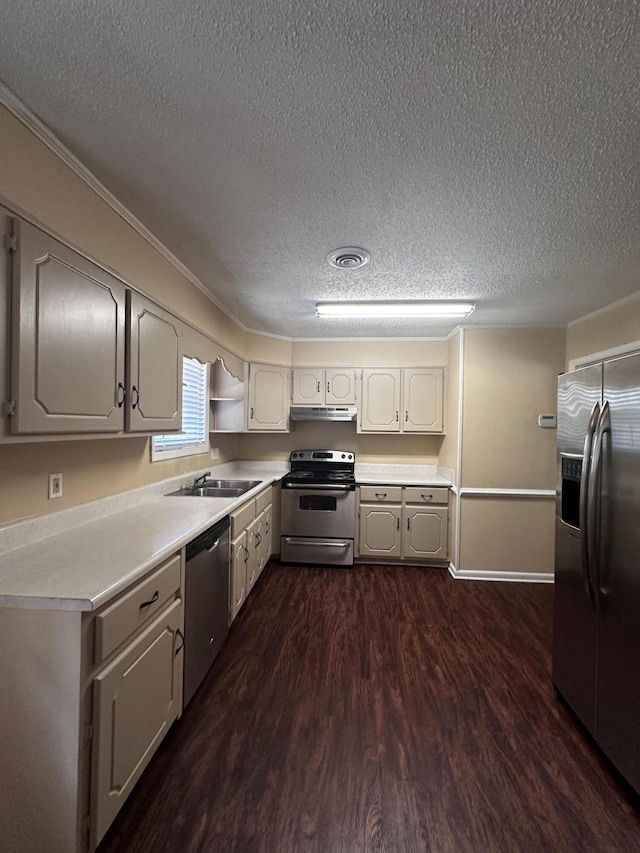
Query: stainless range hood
point(323, 413)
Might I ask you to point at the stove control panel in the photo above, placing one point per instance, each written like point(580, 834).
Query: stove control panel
point(322, 456)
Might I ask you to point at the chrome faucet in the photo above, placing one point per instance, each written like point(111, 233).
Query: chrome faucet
point(201, 480)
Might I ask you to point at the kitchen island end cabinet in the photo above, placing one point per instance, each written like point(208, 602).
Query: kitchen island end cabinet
point(403, 523)
point(86, 699)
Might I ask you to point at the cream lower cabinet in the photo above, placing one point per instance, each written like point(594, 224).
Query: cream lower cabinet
point(402, 400)
point(403, 523)
point(268, 402)
point(86, 699)
point(251, 542)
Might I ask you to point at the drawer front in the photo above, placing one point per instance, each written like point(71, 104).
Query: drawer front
point(147, 597)
point(242, 517)
point(426, 495)
point(263, 500)
point(381, 494)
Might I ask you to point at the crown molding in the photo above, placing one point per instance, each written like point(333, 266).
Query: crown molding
point(20, 110)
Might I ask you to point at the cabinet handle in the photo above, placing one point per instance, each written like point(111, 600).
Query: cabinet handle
point(318, 386)
point(408, 523)
point(246, 554)
point(268, 527)
point(327, 387)
point(427, 497)
point(152, 600)
point(181, 646)
point(251, 415)
point(381, 495)
point(406, 416)
point(258, 539)
point(136, 402)
point(121, 396)
point(397, 416)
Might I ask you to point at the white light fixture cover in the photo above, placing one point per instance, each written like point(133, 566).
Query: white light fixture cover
point(394, 309)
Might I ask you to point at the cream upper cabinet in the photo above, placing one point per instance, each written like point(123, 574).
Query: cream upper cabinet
point(402, 400)
point(68, 342)
point(315, 386)
point(155, 367)
point(268, 405)
point(380, 401)
point(74, 326)
point(422, 396)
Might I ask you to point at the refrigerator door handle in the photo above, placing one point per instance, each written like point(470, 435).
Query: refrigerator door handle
point(584, 502)
point(595, 483)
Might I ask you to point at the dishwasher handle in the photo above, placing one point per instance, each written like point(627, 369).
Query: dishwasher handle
point(209, 539)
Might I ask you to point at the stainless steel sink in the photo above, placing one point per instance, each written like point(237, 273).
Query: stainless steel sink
point(217, 489)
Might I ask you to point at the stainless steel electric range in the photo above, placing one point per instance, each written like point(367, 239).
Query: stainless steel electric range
point(319, 508)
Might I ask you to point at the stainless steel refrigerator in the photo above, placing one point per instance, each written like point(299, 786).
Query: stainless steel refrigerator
point(596, 644)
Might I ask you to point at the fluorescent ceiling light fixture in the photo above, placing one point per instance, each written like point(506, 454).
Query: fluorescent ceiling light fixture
point(394, 309)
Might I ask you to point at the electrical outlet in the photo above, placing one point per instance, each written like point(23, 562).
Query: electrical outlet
point(55, 485)
point(215, 453)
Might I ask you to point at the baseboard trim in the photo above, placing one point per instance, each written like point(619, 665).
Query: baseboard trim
point(512, 577)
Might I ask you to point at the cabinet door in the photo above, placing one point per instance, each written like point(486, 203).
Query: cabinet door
point(68, 341)
point(422, 400)
point(308, 386)
point(425, 533)
point(268, 398)
point(380, 534)
point(268, 534)
point(154, 384)
point(135, 700)
point(340, 387)
point(253, 547)
point(238, 581)
point(380, 400)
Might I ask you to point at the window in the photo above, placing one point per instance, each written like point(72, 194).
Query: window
point(194, 437)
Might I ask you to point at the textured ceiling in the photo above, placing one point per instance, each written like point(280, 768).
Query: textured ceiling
point(479, 150)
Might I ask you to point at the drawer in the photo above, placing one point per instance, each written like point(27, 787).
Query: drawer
point(426, 495)
point(263, 500)
point(146, 598)
point(242, 517)
point(380, 494)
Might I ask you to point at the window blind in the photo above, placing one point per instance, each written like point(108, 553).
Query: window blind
point(193, 438)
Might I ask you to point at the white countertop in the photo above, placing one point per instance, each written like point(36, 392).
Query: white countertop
point(83, 566)
point(403, 475)
point(80, 558)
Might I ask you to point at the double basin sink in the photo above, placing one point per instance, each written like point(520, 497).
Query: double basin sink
point(217, 489)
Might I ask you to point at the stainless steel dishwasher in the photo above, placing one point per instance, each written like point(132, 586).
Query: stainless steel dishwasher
point(206, 608)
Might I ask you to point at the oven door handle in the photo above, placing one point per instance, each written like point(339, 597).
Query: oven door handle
point(317, 543)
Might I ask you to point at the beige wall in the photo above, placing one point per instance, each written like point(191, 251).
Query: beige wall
point(510, 377)
point(507, 535)
point(263, 348)
point(35, 181)
point(616, 327)
point(449, 450)
point(398, 449)
point(376, 353)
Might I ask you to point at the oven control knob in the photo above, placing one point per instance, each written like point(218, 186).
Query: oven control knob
point(343, 455)
point(293, 455)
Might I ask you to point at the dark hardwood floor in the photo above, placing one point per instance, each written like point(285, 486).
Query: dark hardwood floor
point(380, 709)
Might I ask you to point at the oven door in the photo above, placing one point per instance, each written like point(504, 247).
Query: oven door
point(326, 513)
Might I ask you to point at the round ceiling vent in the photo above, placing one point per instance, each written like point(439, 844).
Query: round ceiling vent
point(348, 258)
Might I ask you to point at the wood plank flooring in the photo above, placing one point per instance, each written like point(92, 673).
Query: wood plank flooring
point(380, 709)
